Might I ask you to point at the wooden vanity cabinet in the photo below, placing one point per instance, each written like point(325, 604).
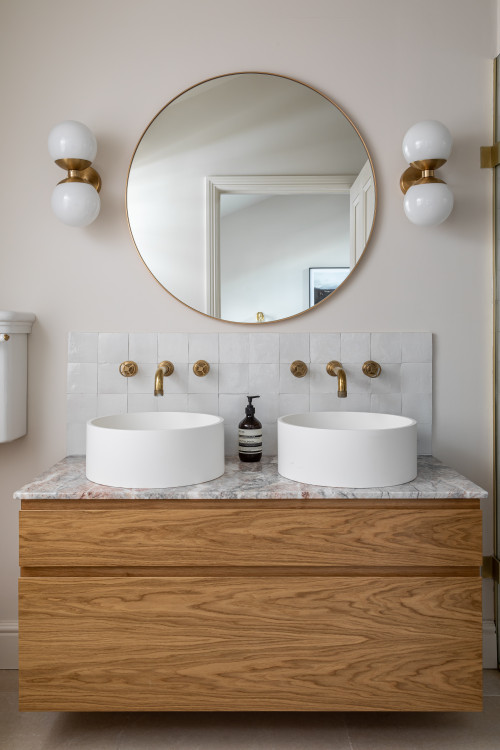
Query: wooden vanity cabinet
point(250, 605)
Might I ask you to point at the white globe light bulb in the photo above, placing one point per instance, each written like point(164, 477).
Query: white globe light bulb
point(76, 204)
point(428, 204)
point(72, 140)
point(428, 139)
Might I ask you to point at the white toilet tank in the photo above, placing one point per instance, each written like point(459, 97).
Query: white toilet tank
point(14, 329)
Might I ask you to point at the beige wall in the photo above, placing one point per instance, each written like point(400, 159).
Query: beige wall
point(114, 63)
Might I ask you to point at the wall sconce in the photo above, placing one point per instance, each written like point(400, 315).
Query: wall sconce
point(428, 200)
point(75, 200)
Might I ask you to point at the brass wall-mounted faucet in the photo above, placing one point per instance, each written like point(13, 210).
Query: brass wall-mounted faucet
point(335, 369)
point(371, 369)
point(201, 368)
point(298, 369)
point(165, 369)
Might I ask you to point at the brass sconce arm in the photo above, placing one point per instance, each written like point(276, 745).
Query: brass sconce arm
point(421, 173)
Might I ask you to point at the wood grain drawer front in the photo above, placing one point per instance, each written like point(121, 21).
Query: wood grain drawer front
point(250, 644)
point(337, 537)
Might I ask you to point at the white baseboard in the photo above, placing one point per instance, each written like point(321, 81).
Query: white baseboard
point(8, 644)
point(9, 647)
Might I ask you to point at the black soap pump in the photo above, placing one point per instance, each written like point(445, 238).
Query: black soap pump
point(250, 435)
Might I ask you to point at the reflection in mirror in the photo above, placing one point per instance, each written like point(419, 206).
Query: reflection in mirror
point(242, 184)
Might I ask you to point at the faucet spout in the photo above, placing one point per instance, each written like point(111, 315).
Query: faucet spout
point(342, 380)
point(165, 369)
point(335, 369)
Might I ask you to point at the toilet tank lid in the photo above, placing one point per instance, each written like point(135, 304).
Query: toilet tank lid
point(16, 322)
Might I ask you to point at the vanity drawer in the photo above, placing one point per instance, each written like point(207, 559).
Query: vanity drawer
point(250, 643)
point(251, 537)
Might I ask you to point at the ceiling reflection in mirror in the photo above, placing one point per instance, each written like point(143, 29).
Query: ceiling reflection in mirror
point(240, 186)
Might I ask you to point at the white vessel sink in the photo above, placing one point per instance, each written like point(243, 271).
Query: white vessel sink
point(347, 449)
point(155, 449)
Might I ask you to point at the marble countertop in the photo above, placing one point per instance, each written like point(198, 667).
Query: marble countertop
point(66, 480)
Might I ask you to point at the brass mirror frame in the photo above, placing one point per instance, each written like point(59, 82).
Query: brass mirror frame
point(312, 88)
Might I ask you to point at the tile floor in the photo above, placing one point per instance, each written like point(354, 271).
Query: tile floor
point(255, 731)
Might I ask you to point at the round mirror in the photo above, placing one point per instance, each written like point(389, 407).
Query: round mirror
point(251, 197)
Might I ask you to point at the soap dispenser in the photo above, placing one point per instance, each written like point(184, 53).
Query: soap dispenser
point(250, 435)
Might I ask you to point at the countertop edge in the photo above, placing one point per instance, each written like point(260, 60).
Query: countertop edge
point(66, 480)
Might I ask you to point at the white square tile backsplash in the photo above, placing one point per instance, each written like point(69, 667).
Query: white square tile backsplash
point(264, 348)
point(416, 347)
point(110, 379)
point(82, 347)
point(354, 347)
point(234, 348)
point(294, 346)
point(175, 345)
point(244, 364)
point(112, 347)
point(82, 377)
point(203, 346)
point(386, 347)
point(111, 403)
point(324, 347)
point(143, 347)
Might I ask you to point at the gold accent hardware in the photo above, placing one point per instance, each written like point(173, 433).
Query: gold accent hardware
point(298, 369)
point(5, 336)
point(420, 173)
point(336, 370)
point(79, 170)
point(70, 164)
point(371, 369)
point(165, 369)
point(128, 369)
point(201, 368)
point(260, 317)
point(490, 156)
point(491, 568)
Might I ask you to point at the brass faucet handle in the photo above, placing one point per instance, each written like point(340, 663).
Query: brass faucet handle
point(332, 366)
point(167, 367)
point(128, 369)
point(201, 368)
point(371, 369)
point(298, 369)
